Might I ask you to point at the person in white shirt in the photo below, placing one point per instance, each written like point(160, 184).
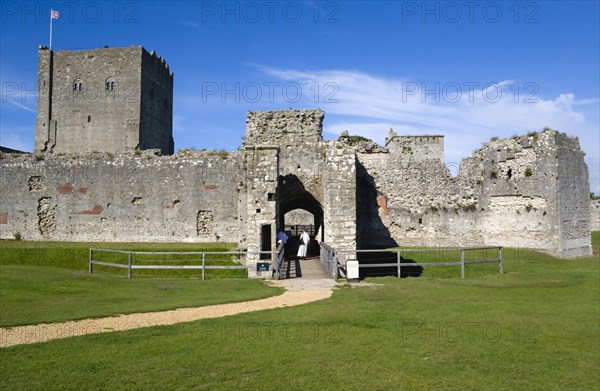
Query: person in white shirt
point(304, 240)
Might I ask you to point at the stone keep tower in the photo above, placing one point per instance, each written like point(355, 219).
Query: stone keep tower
point(105, 100)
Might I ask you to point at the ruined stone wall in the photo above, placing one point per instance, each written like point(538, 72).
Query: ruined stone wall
point(339, 201)
point(508, 193)
point(261, 177)
point(121, 197)
point(107, 100)
point(416, 148)
point(417, 203)
point(530, 191)
point(313, 175)
point(518, 199)
point(595, 214)
point(573, 188)
point(283, 126)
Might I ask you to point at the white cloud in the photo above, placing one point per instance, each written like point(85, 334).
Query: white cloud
point(18, 104)
point(466, 114)
point(15, 140)
point(189, 23)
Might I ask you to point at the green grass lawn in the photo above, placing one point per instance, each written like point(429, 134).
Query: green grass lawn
point(38, 294)
point(73, 255)
point(535, 327)
point(43, 282)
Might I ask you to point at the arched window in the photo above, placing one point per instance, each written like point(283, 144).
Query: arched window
point(77, 85)
point(109, 84)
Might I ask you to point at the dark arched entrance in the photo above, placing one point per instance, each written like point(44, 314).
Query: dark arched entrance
point(292, 196)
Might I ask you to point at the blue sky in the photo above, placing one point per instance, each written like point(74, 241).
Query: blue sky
point(467, 70)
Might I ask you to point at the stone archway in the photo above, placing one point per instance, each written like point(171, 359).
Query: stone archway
point(293, 196)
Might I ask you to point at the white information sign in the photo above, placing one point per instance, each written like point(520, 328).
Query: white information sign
point(352, 269)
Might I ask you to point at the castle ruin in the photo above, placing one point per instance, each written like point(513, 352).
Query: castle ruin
point(526, 191)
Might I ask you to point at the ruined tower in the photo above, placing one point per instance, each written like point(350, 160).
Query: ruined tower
point(105, 100)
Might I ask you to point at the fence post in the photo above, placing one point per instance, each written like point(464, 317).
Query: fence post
point(91, 261)
point(129, 261)
point(399, 258)
point(333, 262)
point(462, 263)
point(501, 263)
point(203, 263)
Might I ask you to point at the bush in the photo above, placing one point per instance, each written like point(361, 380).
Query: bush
point(469, 207)
point(18, 236)
point(528, 171)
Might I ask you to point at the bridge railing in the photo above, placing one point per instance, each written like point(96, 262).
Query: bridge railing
point(278, 261)
point(330, 262)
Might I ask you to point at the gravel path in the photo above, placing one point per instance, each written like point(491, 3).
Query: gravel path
point(298, 292)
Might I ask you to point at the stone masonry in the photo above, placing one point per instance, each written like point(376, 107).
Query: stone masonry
point(89, 181)
point(528, 191)
point(105, 100)
point(595, 214)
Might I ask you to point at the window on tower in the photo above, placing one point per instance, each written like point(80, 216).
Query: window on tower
point(109, 84)
point(77, 86)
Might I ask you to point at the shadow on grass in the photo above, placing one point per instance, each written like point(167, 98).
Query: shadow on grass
point(386, 257)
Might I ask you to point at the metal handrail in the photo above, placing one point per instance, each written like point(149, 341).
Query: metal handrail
point(279, 261)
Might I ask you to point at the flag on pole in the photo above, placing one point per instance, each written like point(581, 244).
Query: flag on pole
point(53, 15)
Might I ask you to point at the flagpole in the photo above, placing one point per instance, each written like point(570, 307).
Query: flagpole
point(51, 28)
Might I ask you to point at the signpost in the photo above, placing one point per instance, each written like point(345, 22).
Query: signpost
point(352, 269)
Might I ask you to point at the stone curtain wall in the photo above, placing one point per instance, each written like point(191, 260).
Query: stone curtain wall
point(124, 197)
point(530, 192)
point(506, 194)
point(419, 203)
point(261, 175)
point(573, 188)
point(518, 191)
point(283, 126)
point(595, 214)
point(416, 148)
point(339, 202)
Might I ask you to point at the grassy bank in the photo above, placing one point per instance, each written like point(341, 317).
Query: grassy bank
point(535, 327)
point(42, 282)
point(75, 256)
point(37, 294)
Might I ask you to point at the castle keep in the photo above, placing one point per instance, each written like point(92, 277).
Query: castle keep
point(106, 100)
point(529, 191)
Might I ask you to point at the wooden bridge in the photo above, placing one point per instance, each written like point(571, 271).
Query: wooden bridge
point(309, 267)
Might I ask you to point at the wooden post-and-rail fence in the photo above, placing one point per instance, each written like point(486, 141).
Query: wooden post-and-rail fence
point(335, 266)
point(130, 266)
